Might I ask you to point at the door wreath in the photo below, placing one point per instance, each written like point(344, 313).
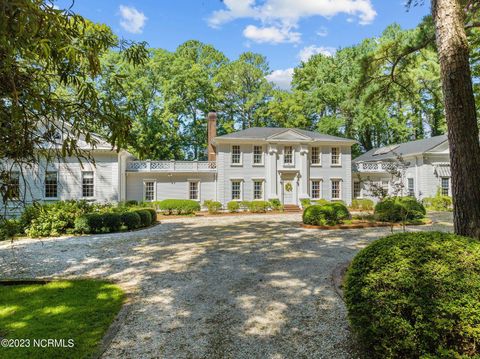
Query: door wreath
point(288, 187)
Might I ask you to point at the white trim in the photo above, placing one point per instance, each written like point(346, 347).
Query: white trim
point(262, 180)
point(197, 181)
point(262, 163)
point(340, 189)
point(320, 188)
point(290, 164)
point(241, 189)
point(45, 185)
point(239, 164)
point(339, 164)
point(94, 184)
point(145, 189)
point(319, 156)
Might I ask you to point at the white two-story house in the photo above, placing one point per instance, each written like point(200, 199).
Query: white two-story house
point(253, 164)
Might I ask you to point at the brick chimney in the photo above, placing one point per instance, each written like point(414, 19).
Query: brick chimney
point(212, 133)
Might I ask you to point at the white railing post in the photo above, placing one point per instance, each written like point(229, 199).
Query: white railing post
point(149, 167)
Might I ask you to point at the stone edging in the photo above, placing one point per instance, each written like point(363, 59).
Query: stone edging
point(361, 225)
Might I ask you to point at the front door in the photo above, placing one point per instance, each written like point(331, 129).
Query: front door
point(289, 192)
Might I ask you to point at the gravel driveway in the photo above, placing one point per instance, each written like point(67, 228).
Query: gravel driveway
point(224, 287)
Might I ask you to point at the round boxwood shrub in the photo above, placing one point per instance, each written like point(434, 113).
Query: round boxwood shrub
point(233, 206)
point(212, 206)
point(145, 217)
point(328, 214)
point(396, 209)
point(414, 295)
point(153, 214)
point(112, 221)
point(89, 223)
point(131, 220)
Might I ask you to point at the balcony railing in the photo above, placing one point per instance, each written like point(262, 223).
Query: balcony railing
point(374, 166)
point(172, 166)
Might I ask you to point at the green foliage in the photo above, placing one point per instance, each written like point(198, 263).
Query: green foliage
point(233, 206)
point(397, 209)
point(258, 206)
point(48, 72)
point(145, 217)
point(28, 215)
point(112, 222)
point(275, 204)
point(9, 228)
point(321, 202)
point(438, 203)
point(82, 310)
point(212, 206)
point(56, 218)
point(305, 202)
point(179, 206)
point(153, 214)
point(131, 220)
point(89, 223)
point(362, 204)
point(325, 215)
point(414, 295)
point(245, 205)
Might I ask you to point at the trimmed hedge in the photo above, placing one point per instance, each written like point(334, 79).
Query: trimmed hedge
point(414, 295)
point(131, 220)
point(212, 206)
point(397, 209)
point(275, 204)
point(438, 203)
point(89, 223)
point(362, 204)
point(153, 214)
point(325, 215)
point(145, 217)
point(179, 206)
point(233, 206)
point(305, 202)
point(258, 206)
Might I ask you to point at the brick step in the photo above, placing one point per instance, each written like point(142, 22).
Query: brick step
point(291, 208)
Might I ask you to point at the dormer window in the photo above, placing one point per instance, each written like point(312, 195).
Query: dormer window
point(288, 155)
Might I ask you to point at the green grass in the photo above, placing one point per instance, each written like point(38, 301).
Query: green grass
point(79, 310)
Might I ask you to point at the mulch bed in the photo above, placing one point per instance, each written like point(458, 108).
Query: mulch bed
point(161, 217)
point(363, 224)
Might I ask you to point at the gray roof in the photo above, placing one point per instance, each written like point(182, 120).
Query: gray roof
point(403, 149)
point(262, 133)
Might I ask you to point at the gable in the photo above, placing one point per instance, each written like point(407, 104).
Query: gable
point(289, 135)
point(441, 148)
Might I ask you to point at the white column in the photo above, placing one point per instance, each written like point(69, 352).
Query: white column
point(272, 171)
point(303, 172)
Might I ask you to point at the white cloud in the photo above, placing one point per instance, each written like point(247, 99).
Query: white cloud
point(309, 51)
point(281, 78)
point(270, 34)
point(288, 13)
point(132, 20)
point(322, 32)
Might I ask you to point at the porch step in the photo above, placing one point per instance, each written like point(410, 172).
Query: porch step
point(291, 208)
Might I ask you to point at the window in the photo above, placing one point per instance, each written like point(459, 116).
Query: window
point(357, 189)
point(51, 184)
point(288, 155)
point(335, 156)
point(236, 155)
point(315, 156)
point(193, 190)
point(385, 186)
point(336, 189)
point(257, 155)
point(445, 186)
point(236, 190)
point(257, 189)
point(411, 187)
point(13, 185)
point(88, 187)
point(149, 188)
point(316, 189)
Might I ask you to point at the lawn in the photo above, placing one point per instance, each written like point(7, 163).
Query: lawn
point(79, 312)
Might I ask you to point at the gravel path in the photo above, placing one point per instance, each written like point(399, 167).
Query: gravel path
point(226, 287)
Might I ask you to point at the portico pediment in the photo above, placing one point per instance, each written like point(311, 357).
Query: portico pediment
point(289, 136)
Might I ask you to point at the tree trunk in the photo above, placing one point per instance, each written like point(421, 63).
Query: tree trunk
point(460, 114)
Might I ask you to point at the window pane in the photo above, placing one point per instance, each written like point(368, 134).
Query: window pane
point(236, 190)
point(257, 154)
point(193, 190)
point(149, 191)
point(88, 189)
point(445, 186)
point(356, 189)
point(411, 187)
point(13, 185)
point(335, 189)
point(51, 185)
point(288, 155)
point(236, 154)
point(335, 156)
point(258, 190)
point(315, 155)
point(316, 189)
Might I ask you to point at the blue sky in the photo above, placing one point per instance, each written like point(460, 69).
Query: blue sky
point(285, 31)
